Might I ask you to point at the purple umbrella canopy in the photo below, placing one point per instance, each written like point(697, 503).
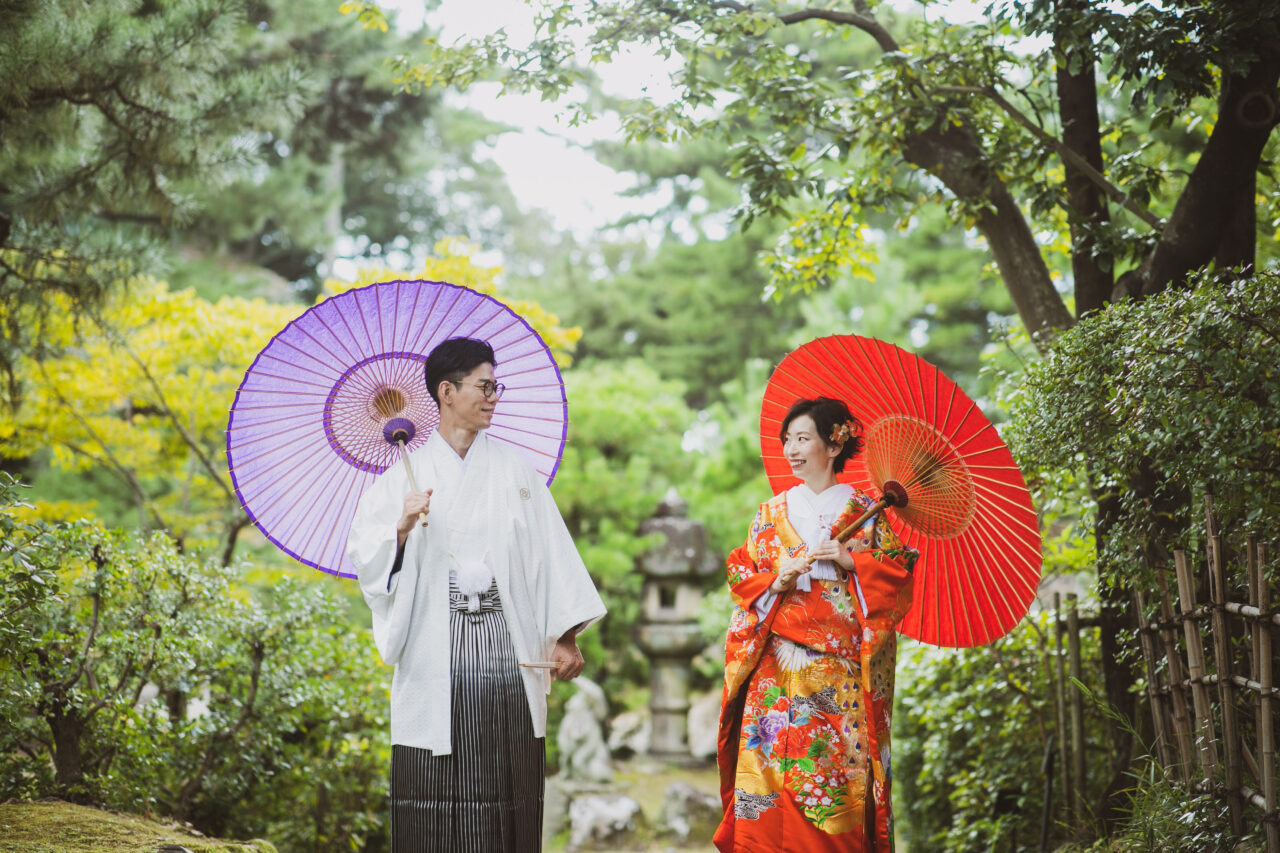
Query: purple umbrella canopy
point(311, 425)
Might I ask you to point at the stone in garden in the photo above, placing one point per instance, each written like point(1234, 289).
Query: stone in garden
point(629, 733)
point(603, 822)
point(584, 757)
point(704, 721)
point(689, 813)
point(555, 810)
point(668, 633)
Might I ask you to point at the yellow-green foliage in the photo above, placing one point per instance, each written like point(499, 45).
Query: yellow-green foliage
point(142, 389)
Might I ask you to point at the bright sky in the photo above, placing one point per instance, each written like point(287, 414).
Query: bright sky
point(547, 165)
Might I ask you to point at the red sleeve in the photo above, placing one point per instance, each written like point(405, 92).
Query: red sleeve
point(746, 592)
point(886, 587)
point(748, 576)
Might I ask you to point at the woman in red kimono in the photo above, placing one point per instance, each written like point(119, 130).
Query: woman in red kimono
point(810, 657)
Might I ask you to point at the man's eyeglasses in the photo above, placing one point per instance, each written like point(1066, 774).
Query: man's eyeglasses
point(488, 387)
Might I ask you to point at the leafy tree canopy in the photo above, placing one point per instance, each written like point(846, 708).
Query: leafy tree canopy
point(116, 116)
point(364, 169)
point(1012, 139)
point(234, 146)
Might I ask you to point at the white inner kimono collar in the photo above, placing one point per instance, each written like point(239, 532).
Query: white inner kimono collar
point(812, 515)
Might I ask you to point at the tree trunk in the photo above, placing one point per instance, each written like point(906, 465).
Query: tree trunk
point(1115, 622)
point(1094, 284)
point(1078, 111)
point(335, 178)
point(240, 522)
point(955, 155)
point(68, 755)
point(1210, 219)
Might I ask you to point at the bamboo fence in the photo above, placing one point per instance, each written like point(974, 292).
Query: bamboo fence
point(1214, 715)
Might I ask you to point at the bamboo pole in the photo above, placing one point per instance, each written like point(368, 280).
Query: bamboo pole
point(1195, 667)
point(1265, 675)
point(1159, 717)
point(1256, 629)
point(1231, 736)
point(1060, 703)
point(1253, 664)
point(1077, 708)
point(1183, 727)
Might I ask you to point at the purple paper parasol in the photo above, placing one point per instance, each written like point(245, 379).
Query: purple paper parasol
point(315, 419)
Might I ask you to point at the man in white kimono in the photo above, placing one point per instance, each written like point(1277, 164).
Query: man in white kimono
point(470, 580)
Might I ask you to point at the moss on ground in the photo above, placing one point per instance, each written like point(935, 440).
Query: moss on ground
point(51, 826)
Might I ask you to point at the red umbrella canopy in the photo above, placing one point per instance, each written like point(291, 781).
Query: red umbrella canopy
point(969, 512)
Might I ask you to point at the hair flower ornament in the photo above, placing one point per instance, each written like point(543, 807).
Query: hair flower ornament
point(840, 432)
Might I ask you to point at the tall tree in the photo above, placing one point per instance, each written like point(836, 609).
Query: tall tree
point(944, 99)
point(113, 115)
point(365, 169)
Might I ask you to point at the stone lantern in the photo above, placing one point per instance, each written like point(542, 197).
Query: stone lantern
point(668, 630)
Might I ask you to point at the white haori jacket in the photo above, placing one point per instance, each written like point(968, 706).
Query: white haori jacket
point(497, 511)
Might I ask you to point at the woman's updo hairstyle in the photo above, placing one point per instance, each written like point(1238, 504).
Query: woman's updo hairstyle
point(836, 425)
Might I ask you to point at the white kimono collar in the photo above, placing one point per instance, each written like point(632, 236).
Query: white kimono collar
point(811, 515)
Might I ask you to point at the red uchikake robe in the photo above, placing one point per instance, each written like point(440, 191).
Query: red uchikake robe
point(808, 694)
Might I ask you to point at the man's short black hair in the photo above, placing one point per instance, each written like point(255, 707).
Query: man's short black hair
point(452, 360)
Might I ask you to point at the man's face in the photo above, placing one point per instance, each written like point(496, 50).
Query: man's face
point(472, 410)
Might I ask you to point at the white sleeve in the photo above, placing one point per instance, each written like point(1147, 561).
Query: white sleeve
point(572, 599)
point(764, 603)
point(371, 547)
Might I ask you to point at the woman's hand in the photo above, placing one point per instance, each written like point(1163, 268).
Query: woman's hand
point(834, 551)
point(788, 573)
point(415, 504)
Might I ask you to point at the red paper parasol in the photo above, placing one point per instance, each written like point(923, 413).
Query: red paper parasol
point(969, 513)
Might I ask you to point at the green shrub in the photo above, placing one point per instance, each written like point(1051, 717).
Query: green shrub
point(1164, 400)
point(1163, 816)
point(136, 676)
point(970, 729)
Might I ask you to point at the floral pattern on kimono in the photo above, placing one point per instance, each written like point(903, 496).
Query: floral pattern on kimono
point(804, 722)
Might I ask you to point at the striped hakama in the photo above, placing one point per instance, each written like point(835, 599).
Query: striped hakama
point(486, 796)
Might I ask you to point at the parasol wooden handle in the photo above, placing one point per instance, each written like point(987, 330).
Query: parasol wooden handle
point(894, 495)
point(408, 469)
point(540, 664)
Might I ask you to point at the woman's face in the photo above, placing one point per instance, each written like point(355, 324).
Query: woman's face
point(808, 454)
